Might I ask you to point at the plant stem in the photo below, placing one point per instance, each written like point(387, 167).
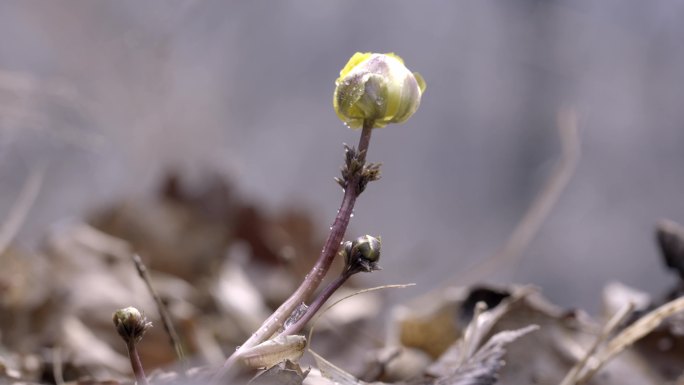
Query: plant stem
point(318, 303)
point(319, 270)
point(140, 378)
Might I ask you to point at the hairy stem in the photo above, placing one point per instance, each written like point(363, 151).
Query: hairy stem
point(319, 270)
point(140, 378)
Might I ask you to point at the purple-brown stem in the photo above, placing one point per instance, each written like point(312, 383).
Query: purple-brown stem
point(318, 303)
point(319, 270)
point(140, 378)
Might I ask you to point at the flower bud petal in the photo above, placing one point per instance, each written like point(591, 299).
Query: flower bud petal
point(363, 254)
point(131, 324)
point(376, 87)
point(367, 247)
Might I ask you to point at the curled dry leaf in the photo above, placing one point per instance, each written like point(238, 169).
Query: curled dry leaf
point(545, 356)
point(474, 335)
point(484, 366)
point(435, 325)
point(480, 369)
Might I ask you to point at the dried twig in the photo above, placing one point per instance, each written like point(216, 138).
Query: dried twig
point(17, 216)
point(573, 375)
point(163, 313)
point(633, 333)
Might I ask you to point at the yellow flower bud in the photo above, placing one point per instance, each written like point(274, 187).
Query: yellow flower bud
point(376, 87)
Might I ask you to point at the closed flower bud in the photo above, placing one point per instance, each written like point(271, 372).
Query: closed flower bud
point(363, 254)
point(131, 324)
point(376, 87)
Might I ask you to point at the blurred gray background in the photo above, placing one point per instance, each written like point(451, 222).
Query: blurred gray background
point(110, 94)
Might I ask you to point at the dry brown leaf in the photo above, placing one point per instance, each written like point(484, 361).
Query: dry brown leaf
point(474, 335)
point(484, 366)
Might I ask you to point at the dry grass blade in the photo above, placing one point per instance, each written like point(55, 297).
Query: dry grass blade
point(318, 316)
point(328, 370)
point(633, 333)
point(17, 216)
point(573, 375)
point(539, 210)
point(333, 373)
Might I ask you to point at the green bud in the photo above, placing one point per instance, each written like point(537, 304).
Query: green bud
point(376, 87)
point(363, 254)
point(130, 324)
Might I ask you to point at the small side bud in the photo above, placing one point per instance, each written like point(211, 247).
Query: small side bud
point(363, 253)
point(131, 324)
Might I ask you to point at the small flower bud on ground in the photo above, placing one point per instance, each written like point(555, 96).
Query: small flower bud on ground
point(131, 324)
point(376, 87)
